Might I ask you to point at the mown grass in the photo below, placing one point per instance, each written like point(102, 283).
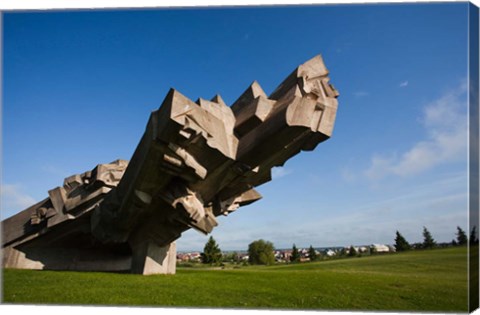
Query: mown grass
point(434, 280)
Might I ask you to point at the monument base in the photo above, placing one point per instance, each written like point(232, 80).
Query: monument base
point(71, 259)
point(148, 258)
point(144, 258)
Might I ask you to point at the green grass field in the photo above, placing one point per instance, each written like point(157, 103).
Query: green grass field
point(433, 280)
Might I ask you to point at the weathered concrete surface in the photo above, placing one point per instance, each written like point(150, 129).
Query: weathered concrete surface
point(149, 258)
point(195, 161)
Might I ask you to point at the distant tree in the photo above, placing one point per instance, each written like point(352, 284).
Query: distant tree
point(454, 243)
point(461, 236)
point(235, 257)
point(260, 252)
point(428, 241)
point(473, 236)
point(231, 257)
point(401, 243)
point(211, 252)
point(295, 254)
point(417, 245)
point(312, 254)
point(352, 252)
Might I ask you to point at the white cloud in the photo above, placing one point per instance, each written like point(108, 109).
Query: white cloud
point(403, 84)
point(279, 172)
point(14, 198)
point(445, 122)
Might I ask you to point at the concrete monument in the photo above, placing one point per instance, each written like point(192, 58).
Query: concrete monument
point(195, 161)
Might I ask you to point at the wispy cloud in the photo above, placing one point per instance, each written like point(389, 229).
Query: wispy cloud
point(348, 175)
point(279, 172)
point(14, 198)
point(361, 94)
point(445, 122)
point(343, 47)
point(441, 211)
point(403, 84)
point(436, 204)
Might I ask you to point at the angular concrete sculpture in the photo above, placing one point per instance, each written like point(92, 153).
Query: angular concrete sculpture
point(195, 161)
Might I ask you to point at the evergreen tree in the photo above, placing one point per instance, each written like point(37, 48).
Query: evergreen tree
point(260, 252)
point(312, 254)
point(428, 241)
point(473, 236)
point(352, 252)
point(295, 254)
point(401, 243)
point(211, 252)
point(461, 237)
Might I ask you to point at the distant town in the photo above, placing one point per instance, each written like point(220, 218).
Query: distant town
point(284, 255)
point(264, 253)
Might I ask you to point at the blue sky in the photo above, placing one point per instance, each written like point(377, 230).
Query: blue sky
point(78, 88)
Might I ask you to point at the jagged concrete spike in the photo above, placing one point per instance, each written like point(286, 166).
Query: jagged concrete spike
point(195, 161)
point(219, 100)
point(252, 115)
point(251, 93)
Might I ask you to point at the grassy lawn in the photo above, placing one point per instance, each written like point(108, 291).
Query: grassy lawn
point(433, 280)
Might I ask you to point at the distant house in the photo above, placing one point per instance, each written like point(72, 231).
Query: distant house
point(347, 249)
point(392, 248)
point(362, 249)
point(184, 257)
point(303, 252)
point(244, 257)
point(287, 254)
point(195, 256)
point(380, 248)
point(181, 257)
point(330, 253)
point(280, 256)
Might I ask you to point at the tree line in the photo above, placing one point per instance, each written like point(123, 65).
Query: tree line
point(261, 252)
point(429, 242)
